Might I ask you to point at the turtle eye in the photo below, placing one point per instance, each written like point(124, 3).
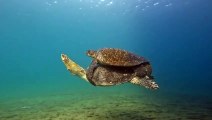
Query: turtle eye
point(91, 53)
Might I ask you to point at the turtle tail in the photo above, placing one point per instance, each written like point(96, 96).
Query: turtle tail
point(73, 67)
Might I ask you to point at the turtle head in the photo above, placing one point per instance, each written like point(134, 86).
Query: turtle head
point(91, 53)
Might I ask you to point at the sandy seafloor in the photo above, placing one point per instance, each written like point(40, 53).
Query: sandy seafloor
point(107, 105)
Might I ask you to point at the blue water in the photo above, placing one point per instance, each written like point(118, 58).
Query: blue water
point(174, 35)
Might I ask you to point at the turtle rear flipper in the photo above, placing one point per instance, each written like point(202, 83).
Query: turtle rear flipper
point(146, 82)
point(73, 67)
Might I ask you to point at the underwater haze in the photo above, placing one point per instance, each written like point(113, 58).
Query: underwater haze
point(174, 35)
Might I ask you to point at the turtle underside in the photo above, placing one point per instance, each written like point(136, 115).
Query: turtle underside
point(104, 75)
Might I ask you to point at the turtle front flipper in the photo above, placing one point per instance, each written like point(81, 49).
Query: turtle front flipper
point(146, 81)
point(73, 67)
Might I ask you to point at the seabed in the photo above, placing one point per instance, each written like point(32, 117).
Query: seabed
point(107, 105)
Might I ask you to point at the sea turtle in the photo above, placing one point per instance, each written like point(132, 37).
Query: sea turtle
point(113, 66)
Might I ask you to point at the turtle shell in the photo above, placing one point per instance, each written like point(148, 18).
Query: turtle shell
point(118, 57)
point(101, 75)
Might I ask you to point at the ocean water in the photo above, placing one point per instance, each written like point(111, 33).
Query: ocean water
point(174, 35)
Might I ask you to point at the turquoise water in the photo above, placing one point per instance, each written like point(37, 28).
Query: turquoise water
point(174, 35)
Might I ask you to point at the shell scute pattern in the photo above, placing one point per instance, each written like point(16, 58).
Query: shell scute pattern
point(118, 57)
